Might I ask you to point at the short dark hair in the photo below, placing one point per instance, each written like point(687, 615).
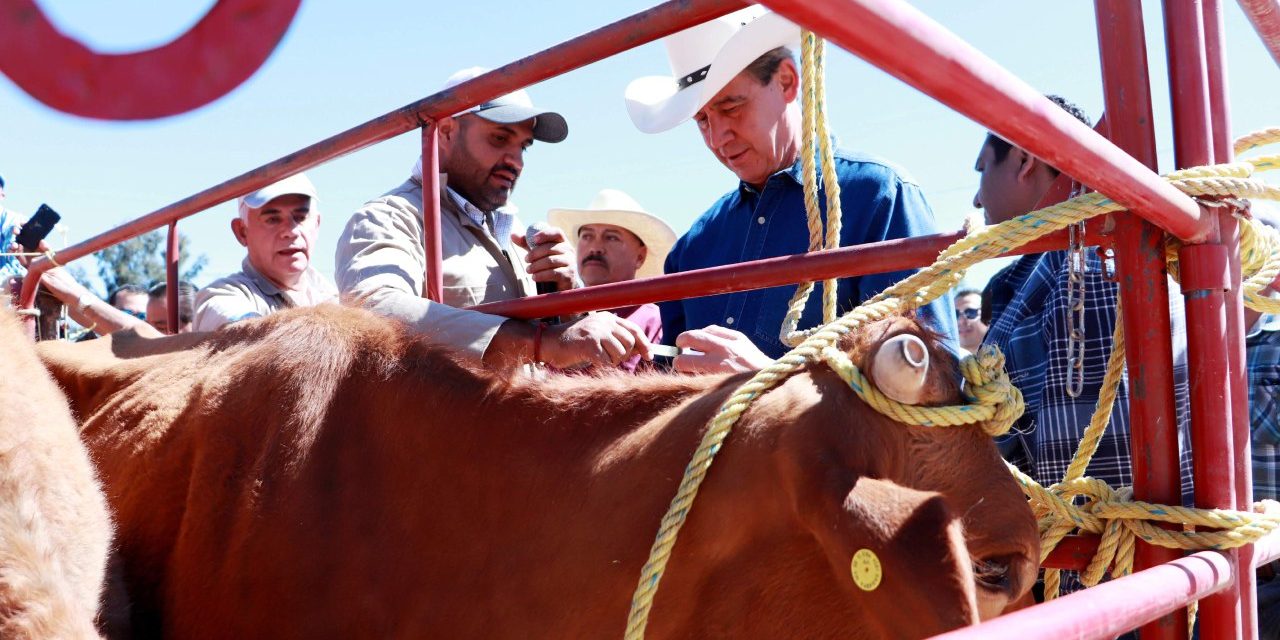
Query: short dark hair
point(764, 67)
point(1000, 147)
point(129, 289)
point(968, 292)
point(186, 299)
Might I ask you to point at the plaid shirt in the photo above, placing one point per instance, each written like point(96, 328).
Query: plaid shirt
point(1263, 348)
point(1030, 323)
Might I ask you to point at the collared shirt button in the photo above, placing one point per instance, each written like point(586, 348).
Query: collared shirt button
point(728, 320)
point(760, 220)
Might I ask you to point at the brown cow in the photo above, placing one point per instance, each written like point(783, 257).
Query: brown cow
point(54, 528)
point(323, 473)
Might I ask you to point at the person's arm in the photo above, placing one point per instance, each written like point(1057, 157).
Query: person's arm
point(87, 309)
point(381, 266)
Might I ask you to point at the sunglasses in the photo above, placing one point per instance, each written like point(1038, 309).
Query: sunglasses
point(971, 314)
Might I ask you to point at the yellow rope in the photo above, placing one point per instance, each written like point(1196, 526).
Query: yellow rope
point(1106, 511)
point(816, 139)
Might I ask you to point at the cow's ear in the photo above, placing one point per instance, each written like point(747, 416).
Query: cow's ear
point(900, 554)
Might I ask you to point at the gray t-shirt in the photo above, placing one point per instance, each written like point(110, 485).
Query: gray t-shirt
point(248, 294)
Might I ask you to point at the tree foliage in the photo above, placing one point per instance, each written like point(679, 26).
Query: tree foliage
point(140, 261)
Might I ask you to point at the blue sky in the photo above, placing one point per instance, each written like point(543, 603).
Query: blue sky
point(339, 66)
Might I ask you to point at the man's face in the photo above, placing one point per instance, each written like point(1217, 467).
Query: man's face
point(133, 303)
point(279, 237)
point(746, 127)
point(1006, 188)
point(608, 254)
point(972, 330)
point(158, 316)
point(484, 159)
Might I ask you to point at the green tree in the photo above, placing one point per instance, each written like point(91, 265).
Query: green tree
point(140, 261)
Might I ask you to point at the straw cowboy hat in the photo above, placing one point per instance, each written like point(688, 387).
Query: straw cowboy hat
point(616, 208)
point(703, 60)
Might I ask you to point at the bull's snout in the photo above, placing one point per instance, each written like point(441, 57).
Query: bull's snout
point(900, 368)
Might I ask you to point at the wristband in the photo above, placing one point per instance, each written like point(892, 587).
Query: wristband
point(84, 302)
point(537, 342)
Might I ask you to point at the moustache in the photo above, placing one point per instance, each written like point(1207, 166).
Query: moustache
point(509, 168)
point(595, 257)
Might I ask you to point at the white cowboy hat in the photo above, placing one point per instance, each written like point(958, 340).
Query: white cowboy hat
point(703, 60)
point(616, 208)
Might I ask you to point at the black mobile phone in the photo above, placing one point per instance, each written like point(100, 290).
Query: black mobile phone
point(39, 226)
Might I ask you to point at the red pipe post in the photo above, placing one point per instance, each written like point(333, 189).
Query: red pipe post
point(1242, 455)
point(1206, 279)
point(872, 257)
point(1215, 37)
point(896, 37)
point(628, 33)
point(1144, 289)
point(1111, 608)
point(433, 279)
point(1205, 275)
point(171, 259)
point(1265, 17)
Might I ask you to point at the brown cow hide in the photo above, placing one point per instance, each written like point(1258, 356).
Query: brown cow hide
point(54, 527)
point(323, 473)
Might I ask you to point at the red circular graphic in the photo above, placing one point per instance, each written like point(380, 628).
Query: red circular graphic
point(227, 46)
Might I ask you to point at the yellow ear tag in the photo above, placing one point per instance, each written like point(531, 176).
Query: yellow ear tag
point(866, 570)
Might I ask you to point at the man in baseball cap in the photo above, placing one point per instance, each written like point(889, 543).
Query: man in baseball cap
point(736, 78)
point(381, 260)
point(277, 225)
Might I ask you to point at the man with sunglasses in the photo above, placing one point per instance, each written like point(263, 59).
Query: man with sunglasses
point(969, 319)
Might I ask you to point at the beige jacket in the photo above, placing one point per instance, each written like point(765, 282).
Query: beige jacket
point(381, 264)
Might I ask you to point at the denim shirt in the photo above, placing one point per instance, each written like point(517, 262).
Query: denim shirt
point(879, 202)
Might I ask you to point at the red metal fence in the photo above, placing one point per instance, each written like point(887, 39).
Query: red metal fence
point(897, 38)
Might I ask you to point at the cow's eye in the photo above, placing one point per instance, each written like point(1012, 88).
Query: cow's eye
point(993, 573)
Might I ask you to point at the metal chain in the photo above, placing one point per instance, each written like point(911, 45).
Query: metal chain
point(1075, 309)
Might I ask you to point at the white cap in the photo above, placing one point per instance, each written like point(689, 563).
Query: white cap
point(294, 184)
point(548, 126)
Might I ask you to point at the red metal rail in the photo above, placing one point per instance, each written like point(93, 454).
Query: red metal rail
point(1144, 289)
point(620, 36)
point(1242, 454)
point(1216, 370)
point(171, 259)
point(1114, 607)
point(873, 257)
point(907, 44)
point(1265, 16)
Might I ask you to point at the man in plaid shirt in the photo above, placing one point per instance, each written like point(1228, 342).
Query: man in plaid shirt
point(1029, 303)
point(1262, 348)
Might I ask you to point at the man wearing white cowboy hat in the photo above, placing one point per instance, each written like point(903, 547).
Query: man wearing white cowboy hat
point(278, 226)
point(735, 77)
point(381, 260)
point(618, 241)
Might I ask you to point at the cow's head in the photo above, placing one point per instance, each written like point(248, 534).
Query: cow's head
point(935, 507)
